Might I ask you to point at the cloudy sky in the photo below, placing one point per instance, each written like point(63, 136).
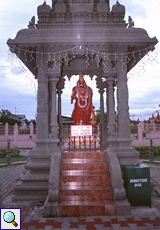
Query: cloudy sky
point(18, 90)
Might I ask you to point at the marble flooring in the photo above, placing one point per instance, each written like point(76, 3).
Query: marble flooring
point(85, 187)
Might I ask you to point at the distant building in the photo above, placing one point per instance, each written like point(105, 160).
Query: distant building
point(67, 120)
point(19, 117)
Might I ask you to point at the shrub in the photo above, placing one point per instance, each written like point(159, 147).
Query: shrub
point(145, 150)
point(14, 152)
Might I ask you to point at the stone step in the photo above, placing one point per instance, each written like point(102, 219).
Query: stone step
point(86, 202)
point(86, 210)
point(30, 191)
point(86, 194)
point(86, 167)
point(86, 180)
point(85, 186)
point(84, 157)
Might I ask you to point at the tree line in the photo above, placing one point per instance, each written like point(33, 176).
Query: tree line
point(7, 117)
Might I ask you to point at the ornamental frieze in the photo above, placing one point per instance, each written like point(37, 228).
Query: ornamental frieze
point(52, 34)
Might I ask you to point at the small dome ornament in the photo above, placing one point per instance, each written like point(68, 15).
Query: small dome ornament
point(118, 11)
point(119, 8)
point(43, 12)
point(44, 8)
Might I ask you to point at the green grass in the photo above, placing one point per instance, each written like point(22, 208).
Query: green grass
point(157, 158)
point(14, 159)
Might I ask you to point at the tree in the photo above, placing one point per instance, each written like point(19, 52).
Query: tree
point(98, 116)
point(33, 122)
point(158, 109)
point(98, 112)
point(26, 121)
point(7, 117)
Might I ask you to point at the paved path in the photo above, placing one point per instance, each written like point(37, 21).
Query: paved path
point(32, 218)
point(9, 177)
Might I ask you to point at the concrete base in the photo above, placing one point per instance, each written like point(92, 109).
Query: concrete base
point(123, 207)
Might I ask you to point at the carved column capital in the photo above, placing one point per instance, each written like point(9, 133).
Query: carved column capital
point(110, 75)
point(101, 91)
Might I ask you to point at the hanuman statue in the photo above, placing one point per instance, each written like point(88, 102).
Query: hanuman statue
point(83, 108)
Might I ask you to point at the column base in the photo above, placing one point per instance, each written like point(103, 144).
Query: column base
point(126, 152)
point(123, 207)
point(33, 185)
point(50, 209)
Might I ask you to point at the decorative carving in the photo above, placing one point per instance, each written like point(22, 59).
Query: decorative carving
point(120, 194)
point(123, 124)
point(42, 130)
point(98, 59)
point(41, 95)
point(60, 7)
point(118, 11)
point(44, 12)
point(60, 84)
point(32, 23)
point(60, 10)
point(54, 178)
point(81, 10)
point(81, 6)
point(42, 105)
point(54, 131)
point(102, 7)
point(130, 22)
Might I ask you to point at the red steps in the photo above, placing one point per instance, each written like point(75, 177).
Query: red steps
point(85, 188)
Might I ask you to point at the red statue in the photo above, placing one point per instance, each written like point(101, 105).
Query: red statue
point(83, 108)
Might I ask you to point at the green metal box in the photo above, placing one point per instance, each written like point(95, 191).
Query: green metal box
point(137, 184)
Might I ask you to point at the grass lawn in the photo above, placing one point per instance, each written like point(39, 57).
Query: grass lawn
point(157, 158)
point(14, 159)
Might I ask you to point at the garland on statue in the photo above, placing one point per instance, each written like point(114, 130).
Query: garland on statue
point(80, 97)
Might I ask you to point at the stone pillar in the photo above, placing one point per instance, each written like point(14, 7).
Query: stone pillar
point(101, 86)
point(102, 118)
point(51, 204)
point(60, 115)
point(126, 153)
point(33, 186)
point(54, 127)
point(59, 92)
point(111, 124)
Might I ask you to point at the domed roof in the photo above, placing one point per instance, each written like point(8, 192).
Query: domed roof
point(118, 8)
point(44, 8)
